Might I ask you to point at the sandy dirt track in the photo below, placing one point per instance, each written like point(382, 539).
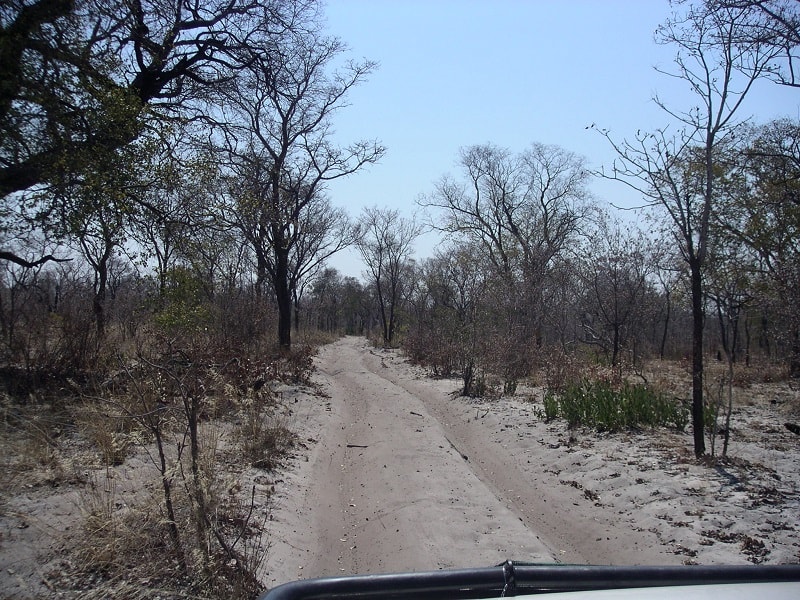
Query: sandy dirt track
point(400, 476)
point(392, 472)
point(384, 490)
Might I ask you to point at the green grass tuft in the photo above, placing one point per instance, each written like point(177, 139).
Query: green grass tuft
point(599, 405)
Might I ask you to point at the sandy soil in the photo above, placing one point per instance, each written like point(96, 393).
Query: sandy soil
point(392, 472)
point(400, 475)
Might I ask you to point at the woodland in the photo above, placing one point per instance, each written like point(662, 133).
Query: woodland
point(165, 232)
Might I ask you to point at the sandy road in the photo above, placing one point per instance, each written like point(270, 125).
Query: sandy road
point(397, 481)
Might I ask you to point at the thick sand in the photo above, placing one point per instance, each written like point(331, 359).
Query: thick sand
point(400, 475)
point(392, 472)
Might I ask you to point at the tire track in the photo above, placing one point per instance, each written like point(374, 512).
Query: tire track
point(388, 491)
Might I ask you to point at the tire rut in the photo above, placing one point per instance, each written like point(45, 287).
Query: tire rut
point(396, 494)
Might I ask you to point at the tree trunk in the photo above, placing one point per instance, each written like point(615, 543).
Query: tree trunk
point(390, 338)
point(296, 303)
point(794, 360)
point(763, 336)
point(384, 317)
point(735, 310)
point(467, 377)
point(261, 274)
point(698, 318)
point(284, 297)
point(191, 405)
point(166, 484)
point(666, 326)
point(727, 437)
point(747, 342)
point(99, 300)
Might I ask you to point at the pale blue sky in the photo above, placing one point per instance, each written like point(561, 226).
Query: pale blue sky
point(511, 72)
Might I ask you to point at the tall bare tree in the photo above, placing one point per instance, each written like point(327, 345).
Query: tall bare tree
point(281, 154)
point(677, 172)
point(386, 243)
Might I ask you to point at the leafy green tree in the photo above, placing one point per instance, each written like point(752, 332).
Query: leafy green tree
point(173, 209)
point(79, 73)
point(767, 220)
point(84, 78)
point(94, 211)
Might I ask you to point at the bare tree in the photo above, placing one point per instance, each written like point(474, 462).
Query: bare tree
point(385, 245)
point(615, 269)
point(774, 23)
point(522, 210)
point(281, 155)
point(326, 231)
point(677, 171)
point(448, 328)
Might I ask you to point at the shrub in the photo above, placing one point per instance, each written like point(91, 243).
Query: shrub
point(295, 366)
point(550, 406)
point(561, 369)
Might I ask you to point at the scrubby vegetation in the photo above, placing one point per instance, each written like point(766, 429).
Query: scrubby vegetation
point(165, 226)
point(196, 407)
point(605, 407)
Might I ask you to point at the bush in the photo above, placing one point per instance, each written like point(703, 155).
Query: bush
point(598, 404)
point(264, 437)
point(293, 367)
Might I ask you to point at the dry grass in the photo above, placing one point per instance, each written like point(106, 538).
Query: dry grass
point(107, 428)
point(123, 541)
point(31, 437)
point(121, 550)
point(263, 435)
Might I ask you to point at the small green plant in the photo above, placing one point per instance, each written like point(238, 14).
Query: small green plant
point(600, 405)
point(510, 387)
point(550, 406)
point(182, 303)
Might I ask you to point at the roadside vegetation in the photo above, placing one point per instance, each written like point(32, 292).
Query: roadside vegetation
point(598, 404)
point(165, 233)
point(194, 411)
